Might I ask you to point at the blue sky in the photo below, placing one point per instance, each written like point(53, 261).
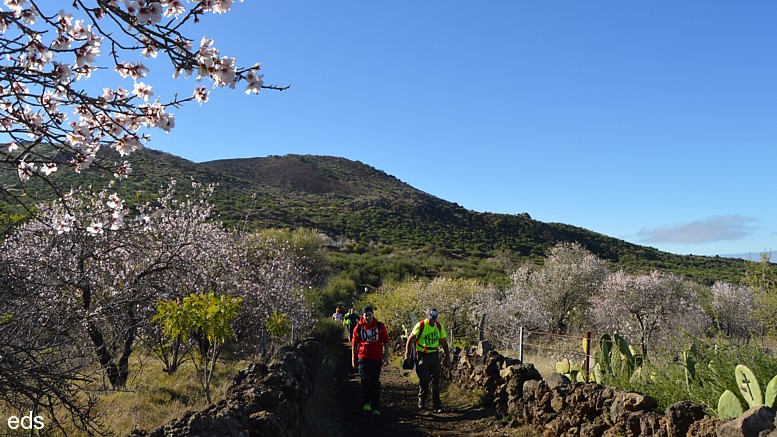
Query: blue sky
point(654, 122)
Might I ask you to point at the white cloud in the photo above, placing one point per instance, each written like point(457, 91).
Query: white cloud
point(716, 228)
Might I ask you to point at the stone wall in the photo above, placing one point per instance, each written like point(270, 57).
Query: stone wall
point(521, 396)
point(265, 399)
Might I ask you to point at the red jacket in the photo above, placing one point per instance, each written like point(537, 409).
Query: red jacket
point(368, 340)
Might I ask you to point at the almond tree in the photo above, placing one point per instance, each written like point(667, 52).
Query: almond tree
point(733, 308)
point(41, 370)
point(52, 117)
point(113, 269)
point(507, 310)
point(561, 290)
point(272, 277)
point(647, 307)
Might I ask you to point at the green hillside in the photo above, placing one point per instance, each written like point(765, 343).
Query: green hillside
point(373, 211)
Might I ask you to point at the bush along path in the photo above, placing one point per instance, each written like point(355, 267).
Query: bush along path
point(336, 407)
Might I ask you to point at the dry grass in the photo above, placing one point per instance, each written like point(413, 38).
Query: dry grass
point(153, 397)
point(545, 358)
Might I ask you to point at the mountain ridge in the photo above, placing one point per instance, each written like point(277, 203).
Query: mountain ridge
point(384, 210)
point(352, 201)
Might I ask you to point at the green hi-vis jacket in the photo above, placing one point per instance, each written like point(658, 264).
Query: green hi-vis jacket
point(428, 335)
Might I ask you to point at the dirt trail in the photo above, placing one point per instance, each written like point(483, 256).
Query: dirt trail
point(339, 406)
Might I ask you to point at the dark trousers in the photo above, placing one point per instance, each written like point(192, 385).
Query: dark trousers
point(428, 370)
point(369, 371)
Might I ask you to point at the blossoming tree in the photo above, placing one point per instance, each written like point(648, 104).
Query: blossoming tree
point(52, 116)
point(649, 307)
point(110, 272)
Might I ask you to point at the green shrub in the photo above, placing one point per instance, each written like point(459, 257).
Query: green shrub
point(331, 331)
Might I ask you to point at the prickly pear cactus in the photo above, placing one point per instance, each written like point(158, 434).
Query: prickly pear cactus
point(563, 367)
point(771, 393)
point(598, 375)
point(748, 385)
point(623, 347)
point(729, 406)
point(625, 351)
point(689, 363)
point(604, 355)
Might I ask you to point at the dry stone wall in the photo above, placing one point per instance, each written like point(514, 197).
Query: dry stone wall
point(557, 407)
point(269, 399)
point(265, 399)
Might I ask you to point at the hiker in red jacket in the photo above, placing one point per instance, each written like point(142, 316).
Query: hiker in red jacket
point(370, 353)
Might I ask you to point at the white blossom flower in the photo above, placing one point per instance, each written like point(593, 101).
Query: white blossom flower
point(48, 168)
point(63, 224)
point(117, 220)
point(15, 5)
point(115, 202)
point(201, 94)
point(62, 72)
point(25, 170)
point(95, 228)
point(131, 69)
point(82, 161)
point(123, 171)
point(127, 144)
point(174, 8)
point(150, 12)
point(222, 6)
point(143, 91)
point(255, 82)
point(144, 220)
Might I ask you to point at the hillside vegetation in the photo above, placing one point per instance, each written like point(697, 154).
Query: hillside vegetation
point(367, 211)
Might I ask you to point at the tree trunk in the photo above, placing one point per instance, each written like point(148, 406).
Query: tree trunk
point(105, 358)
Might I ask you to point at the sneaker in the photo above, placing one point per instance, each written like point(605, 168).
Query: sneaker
point(439, 410)
point(367, 408)
point(376, 412)
point(421, 405)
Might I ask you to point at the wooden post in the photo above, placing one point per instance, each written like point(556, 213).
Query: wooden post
point(587, 350)
point(520, 344)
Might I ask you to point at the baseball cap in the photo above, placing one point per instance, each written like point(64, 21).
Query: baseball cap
point(432, 313)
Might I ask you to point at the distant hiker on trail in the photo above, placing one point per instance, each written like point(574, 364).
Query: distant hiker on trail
point(426, 337)
point(337, 316)
point(349, 321)
point(370, 352)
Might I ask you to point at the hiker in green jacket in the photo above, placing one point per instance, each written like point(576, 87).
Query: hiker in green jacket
point(426, 338)
point(349, 321)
